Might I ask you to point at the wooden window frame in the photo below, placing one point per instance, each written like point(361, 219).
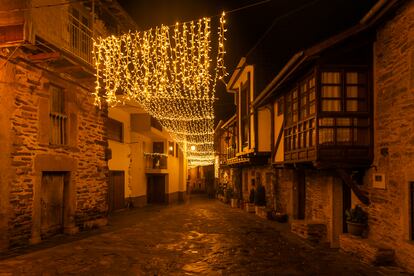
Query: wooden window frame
point(58, 119)
point(343, 85)
point(411, 211)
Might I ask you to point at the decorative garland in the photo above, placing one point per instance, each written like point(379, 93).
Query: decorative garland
point(167, 72)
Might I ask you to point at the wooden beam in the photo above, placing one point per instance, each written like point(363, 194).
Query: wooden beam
point(361, 195)
point(44, 57)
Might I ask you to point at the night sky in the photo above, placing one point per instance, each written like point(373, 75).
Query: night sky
point(297, 24)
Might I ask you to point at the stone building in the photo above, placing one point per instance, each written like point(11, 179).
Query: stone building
point(341, 119)
point(340, 134)
point(53, 167)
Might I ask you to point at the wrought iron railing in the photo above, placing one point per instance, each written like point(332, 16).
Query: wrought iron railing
point(155, 161)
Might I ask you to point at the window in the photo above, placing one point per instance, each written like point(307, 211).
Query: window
point(115, 130)
point(347, 130)
point(58, 119)
point(343, 91)
point(299, 116)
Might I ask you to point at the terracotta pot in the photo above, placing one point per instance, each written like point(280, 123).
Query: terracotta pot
point(355, 228)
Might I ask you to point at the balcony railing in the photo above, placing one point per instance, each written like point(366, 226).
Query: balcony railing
point(80, 39)
point(156, 162)
point(67, 33)
point(231, 152)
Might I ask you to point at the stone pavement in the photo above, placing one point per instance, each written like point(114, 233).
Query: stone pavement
point(200, 237)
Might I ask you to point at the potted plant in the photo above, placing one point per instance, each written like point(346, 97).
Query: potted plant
point(356, 220)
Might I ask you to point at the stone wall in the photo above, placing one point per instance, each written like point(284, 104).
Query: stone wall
point(394, 134)
point(25, 90)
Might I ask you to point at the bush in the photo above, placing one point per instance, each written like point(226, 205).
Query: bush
point(260, 196)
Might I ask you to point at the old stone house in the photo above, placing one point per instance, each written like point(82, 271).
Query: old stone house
point(340, 132)
point(53, 167)
point(342, 114)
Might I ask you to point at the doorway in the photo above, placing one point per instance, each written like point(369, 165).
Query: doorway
point(346, 204)
point(116, 190)
point(156, 189)
point(53, 196)
point(300, 194)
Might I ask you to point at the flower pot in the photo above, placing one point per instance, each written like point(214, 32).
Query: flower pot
point(355, 228)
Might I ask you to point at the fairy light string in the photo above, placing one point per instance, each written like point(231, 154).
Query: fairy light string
point(167, 71)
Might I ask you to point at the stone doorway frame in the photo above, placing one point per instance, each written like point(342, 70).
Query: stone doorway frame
point(54, 163)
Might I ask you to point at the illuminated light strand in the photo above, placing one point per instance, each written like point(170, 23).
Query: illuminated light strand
point(167, 72)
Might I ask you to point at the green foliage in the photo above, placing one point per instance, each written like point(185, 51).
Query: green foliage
point(356, 215)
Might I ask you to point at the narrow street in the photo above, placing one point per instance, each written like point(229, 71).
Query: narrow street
point(199, 237)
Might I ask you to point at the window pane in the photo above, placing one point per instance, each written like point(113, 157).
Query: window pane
point(312, 83)
point(343, 121)
point(331, 92)
point(331, 105)
point(356, 78)
point(326, 122)
point(312, 94)
point(326, 136)
point(331, 77)
point(352, 77)
point(352, 105)
point(312, 108)
point(352, 91)
point(343, 135)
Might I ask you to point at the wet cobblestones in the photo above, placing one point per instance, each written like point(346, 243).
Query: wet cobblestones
point(200, 237)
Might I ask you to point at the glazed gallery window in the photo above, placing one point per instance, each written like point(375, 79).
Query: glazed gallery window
point(115, 130)
point(343, 91)
point(58, 118)
point(300, 111)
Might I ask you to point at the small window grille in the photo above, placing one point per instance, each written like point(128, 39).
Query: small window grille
point(58, 119)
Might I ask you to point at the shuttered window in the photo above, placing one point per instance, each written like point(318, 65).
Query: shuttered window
point(115, 130)
point(58, 118)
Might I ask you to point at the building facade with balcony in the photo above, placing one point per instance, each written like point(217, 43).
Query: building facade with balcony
point(146, 165)
point(53, 167)
point(341, 111)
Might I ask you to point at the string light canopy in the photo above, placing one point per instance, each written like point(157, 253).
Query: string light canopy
point(166, 70)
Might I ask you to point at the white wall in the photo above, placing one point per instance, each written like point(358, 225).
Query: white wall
point(121, 152)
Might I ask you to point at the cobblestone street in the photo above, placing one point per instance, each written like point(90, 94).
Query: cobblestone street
point(199, 237)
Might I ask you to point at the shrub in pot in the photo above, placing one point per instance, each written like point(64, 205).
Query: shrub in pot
point(356, 219)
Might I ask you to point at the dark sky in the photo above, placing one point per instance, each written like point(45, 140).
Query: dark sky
point(297, 24)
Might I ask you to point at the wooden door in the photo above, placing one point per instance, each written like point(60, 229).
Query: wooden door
point(156, 189)
point(346, 205)
point(51, 201)
point(116, 191)
point(301, 194)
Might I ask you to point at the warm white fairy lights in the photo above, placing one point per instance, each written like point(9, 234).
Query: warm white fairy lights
point(167, 70)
